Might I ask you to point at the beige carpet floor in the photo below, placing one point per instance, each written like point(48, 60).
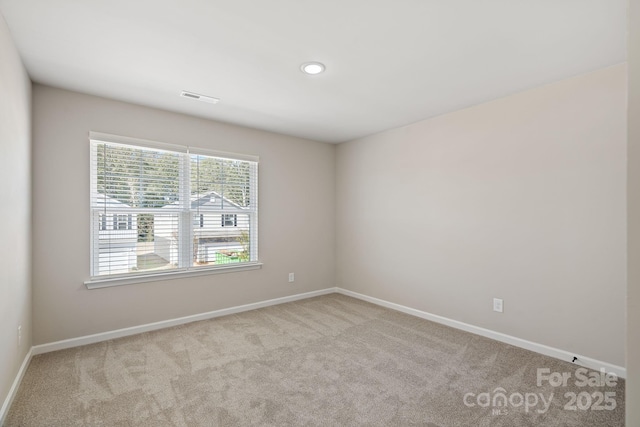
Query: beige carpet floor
point(325, 361)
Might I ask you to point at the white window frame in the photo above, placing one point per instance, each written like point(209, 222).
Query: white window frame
point(186, 231)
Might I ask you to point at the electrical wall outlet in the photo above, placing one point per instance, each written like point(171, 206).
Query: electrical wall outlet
point(19, 335)
point(292, 278)
point(497, 305)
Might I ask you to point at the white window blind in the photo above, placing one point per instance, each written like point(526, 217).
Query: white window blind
point(158, 208)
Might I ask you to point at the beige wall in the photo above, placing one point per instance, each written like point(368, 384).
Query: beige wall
point(633, 214)
point(15, 216)
point(522, 198)
point(296, 219)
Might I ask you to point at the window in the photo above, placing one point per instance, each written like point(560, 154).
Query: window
point(165, 203)
point(229, 220)
point(122, 222)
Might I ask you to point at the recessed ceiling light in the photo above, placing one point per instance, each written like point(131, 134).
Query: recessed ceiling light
point(312, 67)
point(198, 97)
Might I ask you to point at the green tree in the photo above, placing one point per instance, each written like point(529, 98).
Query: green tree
point(138, 177)
point(228, 178)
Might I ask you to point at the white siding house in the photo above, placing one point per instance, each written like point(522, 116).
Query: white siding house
point(118, 237)
point(218, 227)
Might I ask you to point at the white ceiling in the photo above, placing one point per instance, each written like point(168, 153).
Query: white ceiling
point(389, 62)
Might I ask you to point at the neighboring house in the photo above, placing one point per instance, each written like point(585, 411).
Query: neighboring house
point(215, 233)
point(118, 236)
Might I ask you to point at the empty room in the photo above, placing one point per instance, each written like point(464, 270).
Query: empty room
point(419, 212)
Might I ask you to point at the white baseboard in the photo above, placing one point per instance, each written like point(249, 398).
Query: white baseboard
point(118, 333)
point(105, 336)
point(587, 362)
point(498, 336)
point(14, 387)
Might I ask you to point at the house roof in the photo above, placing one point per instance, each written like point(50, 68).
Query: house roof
point(211, 200)
point(105, 201)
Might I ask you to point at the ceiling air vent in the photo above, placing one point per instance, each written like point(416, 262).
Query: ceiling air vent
point(203, 98)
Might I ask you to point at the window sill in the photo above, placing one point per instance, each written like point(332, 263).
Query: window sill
point(98, 283)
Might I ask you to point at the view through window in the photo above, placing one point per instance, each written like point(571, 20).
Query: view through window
point(157, 209)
